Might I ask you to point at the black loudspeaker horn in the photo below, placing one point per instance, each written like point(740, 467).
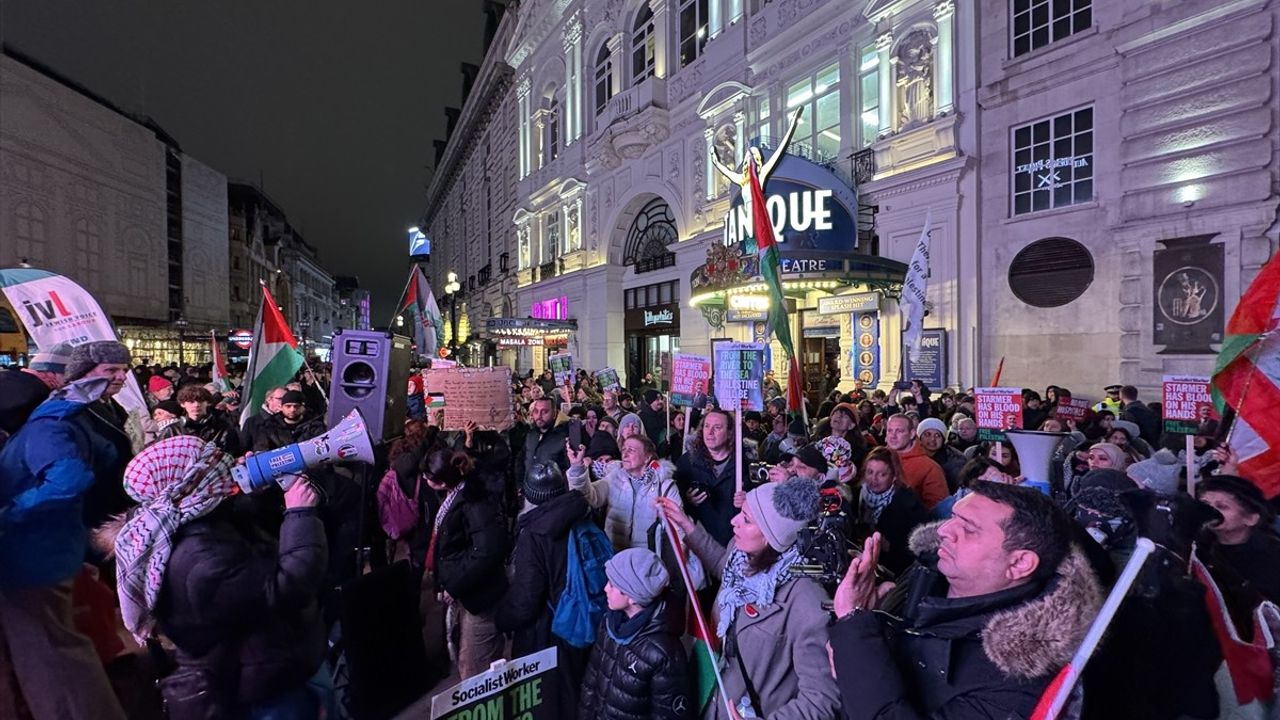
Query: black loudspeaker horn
point(370, 374)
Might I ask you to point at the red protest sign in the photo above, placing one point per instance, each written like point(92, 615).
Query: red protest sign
point(1073, 408)
point(998, 409)
point(1186, 403)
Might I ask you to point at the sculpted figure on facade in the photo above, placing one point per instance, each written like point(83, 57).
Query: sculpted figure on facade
point(765, 167)
point(915, 79)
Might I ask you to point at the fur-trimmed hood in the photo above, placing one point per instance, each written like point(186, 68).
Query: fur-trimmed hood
point(1037, 637)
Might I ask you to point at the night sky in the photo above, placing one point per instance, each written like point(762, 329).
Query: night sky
point(332, 105)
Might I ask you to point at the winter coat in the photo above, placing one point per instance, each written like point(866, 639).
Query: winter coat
point(900, 517)
point(471, 546)
point(951, 461)
point(545, 447)
point(783, 648)
point(244, 609)
point(48, 470)
point(214, 427)
point(923, 475)
point(275, 433)
point(990, 656)
point(20, 394)
point(716, 513)
point(1148, 422)
point(637, 676)
point(252, 428)
point(654, 423)
point(537, 580)
point(631, 518)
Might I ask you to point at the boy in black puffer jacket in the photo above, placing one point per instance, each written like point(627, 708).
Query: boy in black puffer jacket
point(638, 668)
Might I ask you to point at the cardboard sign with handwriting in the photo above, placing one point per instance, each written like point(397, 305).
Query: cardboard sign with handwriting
point(479, 394)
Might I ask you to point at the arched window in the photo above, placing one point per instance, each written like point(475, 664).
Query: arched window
point(29, 232)
point(88, 252)
point(644, 46)
point(604, 77)
point(553, 129)
point(653, 229)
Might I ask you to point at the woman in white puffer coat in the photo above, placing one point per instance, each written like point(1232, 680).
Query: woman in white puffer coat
point(628, 491)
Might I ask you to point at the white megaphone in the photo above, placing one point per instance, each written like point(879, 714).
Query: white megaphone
point(348, 441)
point(1035, 455)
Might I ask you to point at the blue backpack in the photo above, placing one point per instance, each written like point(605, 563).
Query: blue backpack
point(583, 602)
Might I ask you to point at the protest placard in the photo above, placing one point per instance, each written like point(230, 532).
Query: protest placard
point(1073, 408)
point(561, 366)
point(689, 376)
point(523, 689)
point(1187, 402)
point(479, 394)
point(998, 409)
point(740, 376)
point(608, 379)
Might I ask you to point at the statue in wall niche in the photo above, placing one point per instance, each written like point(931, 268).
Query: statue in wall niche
point(915, 79)
point(726, 143)
point(575, 234)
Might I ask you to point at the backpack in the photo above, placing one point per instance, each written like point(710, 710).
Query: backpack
point(583, 602)
point(397, 512)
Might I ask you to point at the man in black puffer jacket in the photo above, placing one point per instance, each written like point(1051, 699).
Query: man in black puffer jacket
point(638, 668)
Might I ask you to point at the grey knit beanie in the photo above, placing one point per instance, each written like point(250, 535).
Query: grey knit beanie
point(90, 355)
point(783, 509)
point(1160, 472)
point(638, 573)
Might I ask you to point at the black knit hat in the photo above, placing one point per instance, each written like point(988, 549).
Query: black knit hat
point(650, 396)
point(798, 428)
point(602, 443)
point(1245, 492)
point(544, 482)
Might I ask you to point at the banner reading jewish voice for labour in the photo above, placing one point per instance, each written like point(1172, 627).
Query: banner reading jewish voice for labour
point(1187, 402)
point(55, 309)
point(740, 376)
point(998, 409)
point(689, 376)
point(522, 689)
point(608, 379)
point(561, 366)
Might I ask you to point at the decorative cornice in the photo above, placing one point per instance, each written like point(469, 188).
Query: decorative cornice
point(944, 10)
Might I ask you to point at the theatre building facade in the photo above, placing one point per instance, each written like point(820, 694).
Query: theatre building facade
point(627, 243)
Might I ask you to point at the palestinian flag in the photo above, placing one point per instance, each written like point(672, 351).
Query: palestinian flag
point(1247, 379)
point(273, 360)
point(1244, 679)
point(771, 270)
point(420, 304)
point(219, 364)
point(703, 665)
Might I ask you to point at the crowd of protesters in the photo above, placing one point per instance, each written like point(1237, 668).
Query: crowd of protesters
point(967, 591)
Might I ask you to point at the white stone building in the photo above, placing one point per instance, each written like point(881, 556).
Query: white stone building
point(617, 107)
point(1129, 184)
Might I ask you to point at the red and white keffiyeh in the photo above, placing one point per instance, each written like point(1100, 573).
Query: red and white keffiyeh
point(176, 481)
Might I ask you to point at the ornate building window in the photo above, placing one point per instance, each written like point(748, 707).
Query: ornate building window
point(88, 252)
point(551, 237)
point(819, 126)
point(604, 77)
point(869, 94)
point(29, 232)
point(644, 46)
point(653, 229)
point(1053, 162)
point(693, 29)
point(1037, 23)
point(551, 146)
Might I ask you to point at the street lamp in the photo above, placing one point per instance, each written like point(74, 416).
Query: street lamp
point(304, 326)
point(451, 289)
point(181, 323)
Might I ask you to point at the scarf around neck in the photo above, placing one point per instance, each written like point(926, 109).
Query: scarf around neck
point(740, 588)
point(175, 481)
point(874, 503)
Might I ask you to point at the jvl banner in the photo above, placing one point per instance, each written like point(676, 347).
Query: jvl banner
point(54, 309)
point(1187, 402)
point(522, 689)
point(740, 376)
point(998, 409)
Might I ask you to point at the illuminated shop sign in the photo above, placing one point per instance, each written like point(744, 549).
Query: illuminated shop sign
point(551, 309)
point(812, 211)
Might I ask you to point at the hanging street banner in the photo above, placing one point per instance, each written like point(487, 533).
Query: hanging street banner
point(522, 689)
point(689, 376)
point(740, 376)
point(998, 409)
point(1187, 403)
point(55, 309)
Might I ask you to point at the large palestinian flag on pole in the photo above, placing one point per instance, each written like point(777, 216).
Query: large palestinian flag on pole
point(771, 271)
point(420, 304)
point(273, 360)
point(1247, 379)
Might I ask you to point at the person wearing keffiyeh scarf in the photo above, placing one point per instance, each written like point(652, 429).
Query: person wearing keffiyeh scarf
point(887, 506)
point(769, 617)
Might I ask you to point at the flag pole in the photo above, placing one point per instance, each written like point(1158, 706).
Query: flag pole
point(403, 293)
point(246, 387)
point(697, 614)
point(1244, 391)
